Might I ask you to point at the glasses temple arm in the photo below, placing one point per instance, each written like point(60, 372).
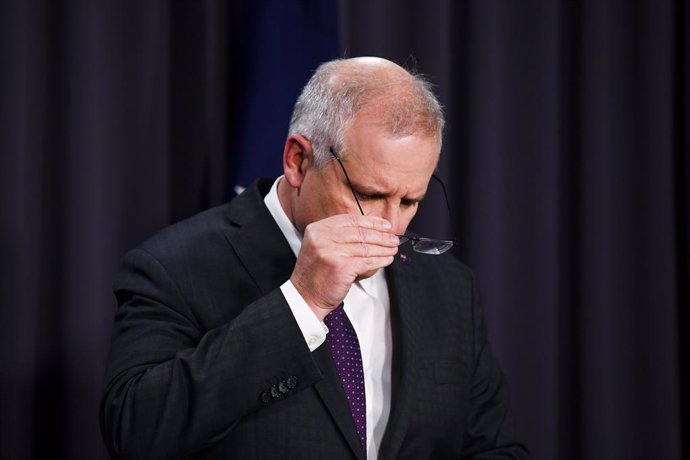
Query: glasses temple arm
point(352, 189)
point(443, 187)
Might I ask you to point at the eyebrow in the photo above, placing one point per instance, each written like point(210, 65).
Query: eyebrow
point(374, 193)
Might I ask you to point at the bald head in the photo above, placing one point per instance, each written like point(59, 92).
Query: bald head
point(375, 69)
point(402, 104)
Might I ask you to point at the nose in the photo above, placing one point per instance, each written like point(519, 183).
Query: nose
point(391, 212)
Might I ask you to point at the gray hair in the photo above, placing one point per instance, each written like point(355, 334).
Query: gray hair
point(404, 104)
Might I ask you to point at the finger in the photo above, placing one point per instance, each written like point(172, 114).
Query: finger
point(364, 250)
point(374, 263)
point(357, 220)
point(366, 236)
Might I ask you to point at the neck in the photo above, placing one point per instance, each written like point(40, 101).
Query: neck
point(285, 193)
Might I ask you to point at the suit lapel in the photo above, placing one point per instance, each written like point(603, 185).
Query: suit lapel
point(331, 391)
point(267, 257)
point(405, 306)
point(258, 241)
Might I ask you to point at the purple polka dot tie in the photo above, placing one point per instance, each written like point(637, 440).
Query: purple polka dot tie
point(344, 345)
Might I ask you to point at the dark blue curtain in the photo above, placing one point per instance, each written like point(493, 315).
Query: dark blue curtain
point(567, 158)
point(284, 42)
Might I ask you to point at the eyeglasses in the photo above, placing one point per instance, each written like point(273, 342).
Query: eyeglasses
point(422, 245)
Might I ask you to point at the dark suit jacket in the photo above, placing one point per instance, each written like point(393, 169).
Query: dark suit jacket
point(207, 360)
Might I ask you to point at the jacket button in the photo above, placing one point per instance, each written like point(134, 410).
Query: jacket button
point(265, 397)
point(283, 388)
point(275, 393)
point(292, 382)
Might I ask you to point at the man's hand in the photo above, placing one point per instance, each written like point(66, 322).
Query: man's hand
point(337, 251)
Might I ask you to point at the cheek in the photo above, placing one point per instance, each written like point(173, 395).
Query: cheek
point(330, 204)
point(321, 197)
point(311, 208)
point(406, 216)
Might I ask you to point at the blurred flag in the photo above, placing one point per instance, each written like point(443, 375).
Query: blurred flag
point(286, 41)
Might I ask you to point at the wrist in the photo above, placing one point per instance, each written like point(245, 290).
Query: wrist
point(319, 308)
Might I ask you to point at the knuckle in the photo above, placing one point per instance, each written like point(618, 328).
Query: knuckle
point(361, 234)
point(309, 229)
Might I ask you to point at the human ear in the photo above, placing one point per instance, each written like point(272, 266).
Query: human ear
point(297, 156)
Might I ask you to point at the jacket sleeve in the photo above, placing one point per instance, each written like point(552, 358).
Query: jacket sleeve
point(173, 388)
point(490, 432)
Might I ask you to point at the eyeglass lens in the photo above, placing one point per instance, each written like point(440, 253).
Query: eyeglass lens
point(427, 245)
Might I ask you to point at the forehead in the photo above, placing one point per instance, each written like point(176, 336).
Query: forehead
point(393, 163)
point(369, 140)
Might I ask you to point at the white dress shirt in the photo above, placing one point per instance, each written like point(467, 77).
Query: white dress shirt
point(367, 304)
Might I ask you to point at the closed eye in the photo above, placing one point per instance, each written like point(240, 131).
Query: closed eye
point(406, 203)
point(373, 196)
point(370, 196)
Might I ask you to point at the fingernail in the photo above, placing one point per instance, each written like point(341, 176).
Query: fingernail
point(387, 225)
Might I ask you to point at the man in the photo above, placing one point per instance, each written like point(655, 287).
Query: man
point(289, 323)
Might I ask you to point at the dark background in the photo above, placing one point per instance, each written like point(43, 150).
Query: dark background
point(566, 158)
